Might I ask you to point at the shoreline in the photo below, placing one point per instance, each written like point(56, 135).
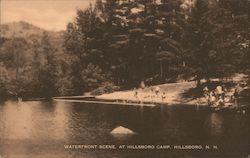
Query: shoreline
point(173, 95)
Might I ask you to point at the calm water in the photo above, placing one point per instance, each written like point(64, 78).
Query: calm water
point(41, 129)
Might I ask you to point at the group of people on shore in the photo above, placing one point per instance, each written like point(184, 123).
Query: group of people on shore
point(154, 95)
point(220, 96)
point(216, 97)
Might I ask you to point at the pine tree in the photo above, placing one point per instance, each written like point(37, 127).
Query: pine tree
point(210, 37)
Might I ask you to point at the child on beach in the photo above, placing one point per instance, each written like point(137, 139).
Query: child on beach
point(163, 96)
point(157, 90)
point(137, 96)
point(206, 93)
point(152, 95)
point(135, 93)
point(220, 101)
point(212, 98)
point(218, 92)
point(157, 93)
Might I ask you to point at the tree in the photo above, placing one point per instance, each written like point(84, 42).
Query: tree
point(3, 81)
point(12, 52)
point(47, 77)
point(160, 40)
point(209, 40)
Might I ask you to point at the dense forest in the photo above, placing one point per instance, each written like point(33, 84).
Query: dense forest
point(120, 43)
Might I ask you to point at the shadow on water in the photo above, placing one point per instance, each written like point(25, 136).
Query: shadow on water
point(43, 128)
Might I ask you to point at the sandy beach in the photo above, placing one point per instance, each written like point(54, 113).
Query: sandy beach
point(173, 94)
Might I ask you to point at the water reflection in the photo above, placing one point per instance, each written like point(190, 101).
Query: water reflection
point(35, 120)
point(17, 121)
point(61, 120)
point(215, 124)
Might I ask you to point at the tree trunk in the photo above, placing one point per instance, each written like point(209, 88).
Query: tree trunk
point(161, 70)
point(198, 81)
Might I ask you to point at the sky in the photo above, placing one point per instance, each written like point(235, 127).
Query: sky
point(47, 14)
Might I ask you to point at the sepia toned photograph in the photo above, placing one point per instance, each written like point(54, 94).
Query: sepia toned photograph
point(124, 78)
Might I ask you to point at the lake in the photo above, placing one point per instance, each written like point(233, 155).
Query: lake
point(50, 129)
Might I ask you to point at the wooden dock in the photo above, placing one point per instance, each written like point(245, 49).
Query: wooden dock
point(104, 102)
point(74, 97)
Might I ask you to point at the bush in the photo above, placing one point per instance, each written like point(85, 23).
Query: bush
point(106, 87)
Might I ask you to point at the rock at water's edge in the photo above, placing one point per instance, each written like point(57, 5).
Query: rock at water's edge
point(122, 130)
